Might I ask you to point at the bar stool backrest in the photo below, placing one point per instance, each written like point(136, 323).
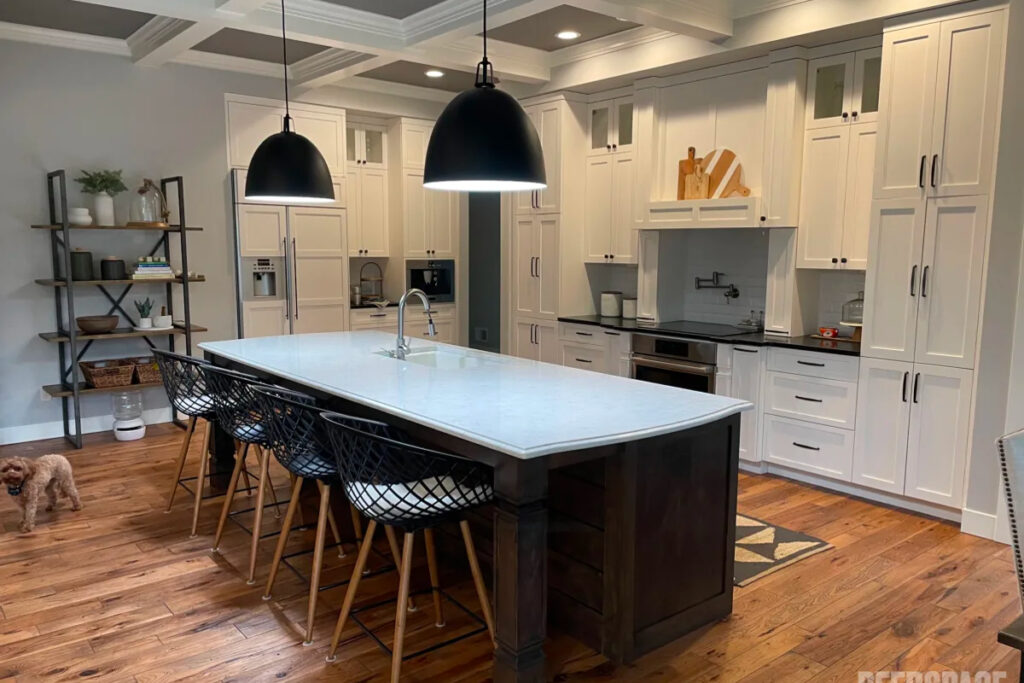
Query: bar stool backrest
point(297, 435)
point(185, 383)
point(234, 401)
point(1011, 461)
point(401, 484)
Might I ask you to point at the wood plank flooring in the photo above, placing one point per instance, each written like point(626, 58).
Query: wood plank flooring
point(119, 592)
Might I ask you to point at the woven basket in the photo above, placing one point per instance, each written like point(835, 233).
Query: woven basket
point(147, 371)
point(103, 374)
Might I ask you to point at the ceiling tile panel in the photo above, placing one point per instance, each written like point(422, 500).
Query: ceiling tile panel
point(538, 31)
point(264, 48)
point(78, 17)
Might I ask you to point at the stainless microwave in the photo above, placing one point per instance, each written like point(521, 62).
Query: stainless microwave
point(435, 278)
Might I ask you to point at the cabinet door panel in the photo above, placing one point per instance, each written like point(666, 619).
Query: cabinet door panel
point(261, 229)
point(883, 423)
point(320, 278)
point(355, 215)
point(550, 349)
point(550, 131)
point(830, 83)
point(967, 101)
point(951, 281)
point(747, 367)
point(547, 266)
point(248, 126)
point(598, 209)
point(906, 110)
point(939, 421)
point(892, 284)
point(415, 139)
point(600, 127)
point(264, 319)
point(624, 126)
point(373, 211)
point(522, 342)
point(623, 234)
point(867, 74)
point(442, 213)
point(524, 243)
point(414, 199)
point(857, 215)
point(822, 203)
point(327, 132)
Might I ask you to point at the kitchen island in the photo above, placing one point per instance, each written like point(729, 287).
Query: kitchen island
point(663, 460)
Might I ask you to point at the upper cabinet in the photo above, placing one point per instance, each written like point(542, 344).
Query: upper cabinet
point(843, 88)
point(252, 120)
point(611, 126)
point(430, 218)
point(546, 118)
point(939, 101)
point(608, 231)
point(366, 145)
point(368, 212)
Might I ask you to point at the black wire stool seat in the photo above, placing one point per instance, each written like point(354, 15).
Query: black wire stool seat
point(299, 441)
point(398, 483)
point(185, 384)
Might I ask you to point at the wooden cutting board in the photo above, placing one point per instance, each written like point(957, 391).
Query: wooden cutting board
point(689, 185)
point(724, 172)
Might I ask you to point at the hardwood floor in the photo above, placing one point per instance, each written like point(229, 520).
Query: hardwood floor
point(120, 592)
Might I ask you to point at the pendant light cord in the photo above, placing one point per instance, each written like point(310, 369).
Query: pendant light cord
point(284, 63)
point(484, 70)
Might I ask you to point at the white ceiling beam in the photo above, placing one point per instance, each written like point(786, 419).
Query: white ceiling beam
point(704, 19)
point(161, 39)
point(333, 65)
point(454, 19)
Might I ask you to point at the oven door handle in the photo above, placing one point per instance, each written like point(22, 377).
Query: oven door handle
point(678, 366)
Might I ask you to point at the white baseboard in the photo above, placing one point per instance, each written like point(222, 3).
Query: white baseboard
point(979, 523)
point(847, 488)
point(90, 425)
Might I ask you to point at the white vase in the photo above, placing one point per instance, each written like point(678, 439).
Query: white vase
point(104, 209)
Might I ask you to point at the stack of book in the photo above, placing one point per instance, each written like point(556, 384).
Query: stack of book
point(152, 268)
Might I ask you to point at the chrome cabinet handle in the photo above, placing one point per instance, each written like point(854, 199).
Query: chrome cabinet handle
point(378, 315)
point(295, 276)
point(809, 400)
point(906, 376)
point(805, 446)
point(924, 282)
point(913, 280)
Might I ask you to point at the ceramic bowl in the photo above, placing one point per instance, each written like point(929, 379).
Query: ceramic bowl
point(96, 324)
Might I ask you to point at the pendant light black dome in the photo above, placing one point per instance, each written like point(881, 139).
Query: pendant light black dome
point(287, 168)
point(484, 141)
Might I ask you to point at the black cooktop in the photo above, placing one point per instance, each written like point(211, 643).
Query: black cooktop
point(695, 328)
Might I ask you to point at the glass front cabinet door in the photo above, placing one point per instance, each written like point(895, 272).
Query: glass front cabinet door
point(843, 88)
point(611, 126)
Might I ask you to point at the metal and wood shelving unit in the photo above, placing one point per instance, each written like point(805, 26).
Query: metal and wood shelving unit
point(73, 344)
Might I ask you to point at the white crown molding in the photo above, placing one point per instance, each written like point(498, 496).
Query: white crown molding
point(155, 33)
point(56, 38)
point(345, 18)
point(748, 8)
point(398, 89)
point(325, 66)
point(228, 63)
point(463, 17)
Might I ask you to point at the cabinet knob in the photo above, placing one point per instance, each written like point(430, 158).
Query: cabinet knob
point(764, 218)
point(854, 114)
point(611, 256)
point(842, 260)
point(607, 146)
point(835, 260)
point(615, 146)
point(846, 115)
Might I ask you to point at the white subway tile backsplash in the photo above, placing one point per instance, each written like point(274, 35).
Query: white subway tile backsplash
point(835, 288)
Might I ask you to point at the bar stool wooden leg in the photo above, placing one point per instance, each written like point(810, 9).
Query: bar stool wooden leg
point(397, 555)
point(257, 520)
point(478, 579)
point(318, 559)
point(182, 455)
point(334, 532)
point(400, 613)
point(204, 457)
point(353, 585)
point(435, 585)
point(282, 540)
point(229, 498)
point(357, 525)
point(261, 454)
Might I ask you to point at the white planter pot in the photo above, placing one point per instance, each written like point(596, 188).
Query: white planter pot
point(104, 209)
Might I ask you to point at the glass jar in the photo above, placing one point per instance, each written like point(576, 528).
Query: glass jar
point(148, 206)
point(127, 405)
point(853, 310)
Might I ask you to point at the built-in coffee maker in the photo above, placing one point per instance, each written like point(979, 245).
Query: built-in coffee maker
point(435, 278)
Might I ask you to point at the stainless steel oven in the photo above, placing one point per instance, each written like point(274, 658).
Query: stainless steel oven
point(678, 362)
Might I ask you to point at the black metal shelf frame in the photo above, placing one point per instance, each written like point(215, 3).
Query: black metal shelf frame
point(70, 352)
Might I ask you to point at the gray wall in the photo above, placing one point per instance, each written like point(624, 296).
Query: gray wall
point(485, 270)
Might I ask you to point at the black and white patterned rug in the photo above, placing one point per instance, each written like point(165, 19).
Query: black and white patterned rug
point(762, 548)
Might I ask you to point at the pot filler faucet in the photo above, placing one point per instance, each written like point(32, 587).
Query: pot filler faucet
point(400, 346)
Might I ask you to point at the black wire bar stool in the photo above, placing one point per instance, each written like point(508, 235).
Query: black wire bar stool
point(187, 392)
point(238, 412)
point(399, 484)
point(301, 446)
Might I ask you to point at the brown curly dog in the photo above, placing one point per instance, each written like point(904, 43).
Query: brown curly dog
point(27, 478)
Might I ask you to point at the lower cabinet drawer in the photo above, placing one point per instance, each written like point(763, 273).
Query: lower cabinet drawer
point(581, 334)
point(804, 446)
point(584, 357)
point(825, 401)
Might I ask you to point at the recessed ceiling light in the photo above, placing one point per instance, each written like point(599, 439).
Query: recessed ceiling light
point(434, 73)
point(567, 35)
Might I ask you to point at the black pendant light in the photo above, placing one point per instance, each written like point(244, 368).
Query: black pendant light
point(287, 168)
point(484, 141)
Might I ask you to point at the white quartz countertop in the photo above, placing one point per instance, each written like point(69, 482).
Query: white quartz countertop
point(520, 407)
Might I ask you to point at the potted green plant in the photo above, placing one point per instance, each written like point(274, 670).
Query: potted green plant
point(145, 308)
point(103, 185)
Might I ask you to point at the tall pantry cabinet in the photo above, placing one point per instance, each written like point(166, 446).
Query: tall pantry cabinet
point(935, 159)
point(548, 275)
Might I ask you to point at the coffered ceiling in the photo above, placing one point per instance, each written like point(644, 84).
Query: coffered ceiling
point(388, 44)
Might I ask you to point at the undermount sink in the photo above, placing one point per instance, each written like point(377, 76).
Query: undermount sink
point(436, 357)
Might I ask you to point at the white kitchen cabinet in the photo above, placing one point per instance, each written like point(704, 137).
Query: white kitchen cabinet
point(319, 269)
point(415, 137)
point(368, 212)
point(835, 208)
point(883, 412)
point(546, 119)
point(429, 218)
point(939, 430)
point(783, 142)
point(611, 126)
point(748, 363)
point(939, 107)
point(265, 318)
point(814, 399)
point(366, 145)
point(535, 259)
point(339, 183)
point(537, 340)
point(608, 231)
point(843, 89)
point(261, 230)
point(825, 451)
point(922, 297)
point(250, 121)
point(584, 357)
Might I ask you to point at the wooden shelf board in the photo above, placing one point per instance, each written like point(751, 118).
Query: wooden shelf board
point(170, 228)
point(59, 390)
point(117, 333)
point(128, 281)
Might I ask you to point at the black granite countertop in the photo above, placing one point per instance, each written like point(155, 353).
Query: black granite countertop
point(806, 343)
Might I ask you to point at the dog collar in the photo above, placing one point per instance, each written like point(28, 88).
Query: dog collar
point(14, 490)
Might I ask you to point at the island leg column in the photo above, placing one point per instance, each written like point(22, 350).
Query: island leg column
point(520, 570)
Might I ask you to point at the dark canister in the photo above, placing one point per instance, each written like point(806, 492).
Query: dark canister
point(113, 269)
point(81, 265)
